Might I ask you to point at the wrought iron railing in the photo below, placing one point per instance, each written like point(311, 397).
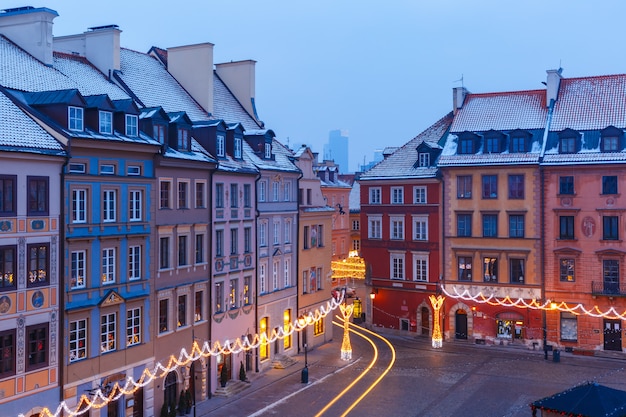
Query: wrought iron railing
point(608, 289)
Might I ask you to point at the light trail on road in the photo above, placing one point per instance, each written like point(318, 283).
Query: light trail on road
point(365, 371)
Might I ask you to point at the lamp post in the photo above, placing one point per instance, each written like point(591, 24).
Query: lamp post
point(305, 371)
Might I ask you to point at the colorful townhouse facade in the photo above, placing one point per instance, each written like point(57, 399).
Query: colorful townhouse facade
point(400, 218)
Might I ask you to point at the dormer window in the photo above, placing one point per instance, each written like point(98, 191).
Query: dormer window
point(237, 148)
point(466, 146)
point(131, 125)
point(518, 144)
point(75, 118)
point(159, 133)
point(220, 146)
point(569, 141)
point(268, 150)
point(568, 145)
point(610, 144)
point(424, 159)
point(183, 139)
point(492, 145)
point(106, 122)
point(611, 139)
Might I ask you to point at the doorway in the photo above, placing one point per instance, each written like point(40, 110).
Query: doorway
point(460, 322)
point(612, 335)
point(425, 321)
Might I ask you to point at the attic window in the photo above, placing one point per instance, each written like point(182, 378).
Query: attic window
point(568, 145)
point(183, 139)
point(610, 144)
point(220, 146)
point(237, 148)
point(492, 145)
point(75, 118)
point(424, 159)
point(518, 144)
point(131, 125)
point(268, 150)
point(106, 122)
point(77, 168)
point(466, 146)
point(159, 133)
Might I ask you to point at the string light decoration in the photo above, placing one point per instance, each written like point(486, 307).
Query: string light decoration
point(101, 398)
point(436, 302)
point(351, 267)
point(346, 348)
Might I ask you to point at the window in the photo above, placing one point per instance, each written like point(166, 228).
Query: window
point(38, 261)
point(490, 186)
point(247, 239)
point(566, 227)
point(108, 266)
point(247, 195)
point(397, 195)
point(275, 268)
point(305, 282)
point(79, 206)
point(109, 198)
point(263, 234)
point(356, 244)
point(234, 195)
point(232, 294)
point(106, 122)
point(183, 190)
point(569, 326)
point(287, 191)
point(464, 225)
point(163, 315)
point(37, 196)
point(8, 192)
point(517, 270)
point(247, 288)
point(107, 169)
point(165, 194)
point(200, 191)
point(566, 270)
point(492, 145)
point(609, 184)
point(133, 327)
point(107, 332)
point(234, 241)
point(78, 340)
point(465, 268)
point(198, 313)
point(466, 146)
point(610, 272)
point(134, 262)
point(268, 150)
point(420, 228)
point(182, 250)
point(264, 350)
point(287, 231)
point(566, 185)
point(610, 144)
point(568, 145)
point(320, 236)
point(610, 228)
point(164, 253)
point(219, 297)
point(8, 348)
point(397, 266)
point(78, 269)
point(420, 268)
point(135, 205)
point(375, 196)
point(262, 190)
point(516, 187)
point(238, 148)
point(518, 144)
point(397, 228)
point(8, 267)
point(183, 139)
point(133, 170)
point(516, 225)
point(182, 310)
point(159, 133)
point(276, 233)
point(464, 186)
point(219, 195)
point(490, 269)
point(318, 328)
point(490, 225)
point(419, 195)
point(75, 118)
point(287, 329)
point(220, 146)
point(275, 190)
point(262, 278)
point(37, 346)
point(424, 159)
point(77, 168)
point(374, 229)
point(356, 224)
point(287, 273)
point(131, 125)
point(199, 248)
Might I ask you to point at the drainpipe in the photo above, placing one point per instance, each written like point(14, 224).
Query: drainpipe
point(300, 342)
point(210, 286)
point(256, 275)
point(61, 274)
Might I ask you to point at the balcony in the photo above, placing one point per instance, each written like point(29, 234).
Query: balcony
point(611, 289)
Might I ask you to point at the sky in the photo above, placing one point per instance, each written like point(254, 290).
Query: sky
point(383, 71)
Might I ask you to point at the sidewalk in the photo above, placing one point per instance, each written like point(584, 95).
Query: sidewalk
point(273, 385)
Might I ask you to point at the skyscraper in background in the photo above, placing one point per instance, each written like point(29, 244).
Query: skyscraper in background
point(337, 149)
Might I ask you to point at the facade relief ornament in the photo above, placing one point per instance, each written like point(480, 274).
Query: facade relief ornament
point(588, 226)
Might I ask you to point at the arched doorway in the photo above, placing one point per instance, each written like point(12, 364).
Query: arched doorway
point(460, 324)
point(169, 390)
point(425, 321)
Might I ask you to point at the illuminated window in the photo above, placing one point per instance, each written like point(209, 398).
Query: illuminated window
point(286, 328)
point(78, 340)
point(233, 295)
point(78, 269)
point(198, 313)
point(264, 350)
point(164, 315)
point(569, 326)
point(182, 310)
point(318, 327)
point(465, 268)
point(108, 266)
point(490, 269)
point(566, 270)
point(37, 346)
point(107, 333)
point(38, 262)
point(133, 326)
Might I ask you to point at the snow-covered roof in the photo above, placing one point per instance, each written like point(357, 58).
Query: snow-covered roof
point(355, 196)
point(283, 158)
point(228, 108)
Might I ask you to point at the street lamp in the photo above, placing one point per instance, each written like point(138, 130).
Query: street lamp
point(305, 372)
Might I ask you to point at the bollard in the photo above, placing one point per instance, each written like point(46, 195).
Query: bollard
point(556, 355)
point(305, 375)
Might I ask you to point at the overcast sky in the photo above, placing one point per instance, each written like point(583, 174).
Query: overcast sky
point(384, 71)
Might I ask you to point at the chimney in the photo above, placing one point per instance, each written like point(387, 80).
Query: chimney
point(239, 77)
point(100, 45)
point(458, 97)
point(31, 29)
point(192, 66)
point(552, 85)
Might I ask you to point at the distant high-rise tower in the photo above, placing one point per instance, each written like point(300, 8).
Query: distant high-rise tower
point(337, 149)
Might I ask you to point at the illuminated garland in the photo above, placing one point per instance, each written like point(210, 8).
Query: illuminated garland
point(578, 309)
point(99, 399)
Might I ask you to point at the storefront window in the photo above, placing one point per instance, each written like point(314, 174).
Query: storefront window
point(569, 326)
point(505, 329)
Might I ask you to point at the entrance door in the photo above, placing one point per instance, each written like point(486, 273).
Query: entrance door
point(612, 335)
point(169, 390)
point(460, 327)
point(425, 322)
point(138, 403)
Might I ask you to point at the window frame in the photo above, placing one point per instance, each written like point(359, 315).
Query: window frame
point(78, 335)
point(133, 326)
point(109, 275)
point(8, 191)
point(135, 205)
point(397, 268)
point(609, 184)
point(37, 344)
point(108, 328)
point(610, 228)
point(38, 196)
point(464, 273)
point(134, 262)
point(397, 195)
point(566, 185)
point(132, 125)
point(464, 224)
point(105, 122)
point(78, 258)
point(489, 187)
point(12, 275)
point(8, 344)
point(514, 225)
point(375, 195)
point(75, 118)
point(462, 184)
point(490, 224)
point(567, 265)
point(566, 227)
point(516, 186)
point(38, 265)
point(109, 205)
